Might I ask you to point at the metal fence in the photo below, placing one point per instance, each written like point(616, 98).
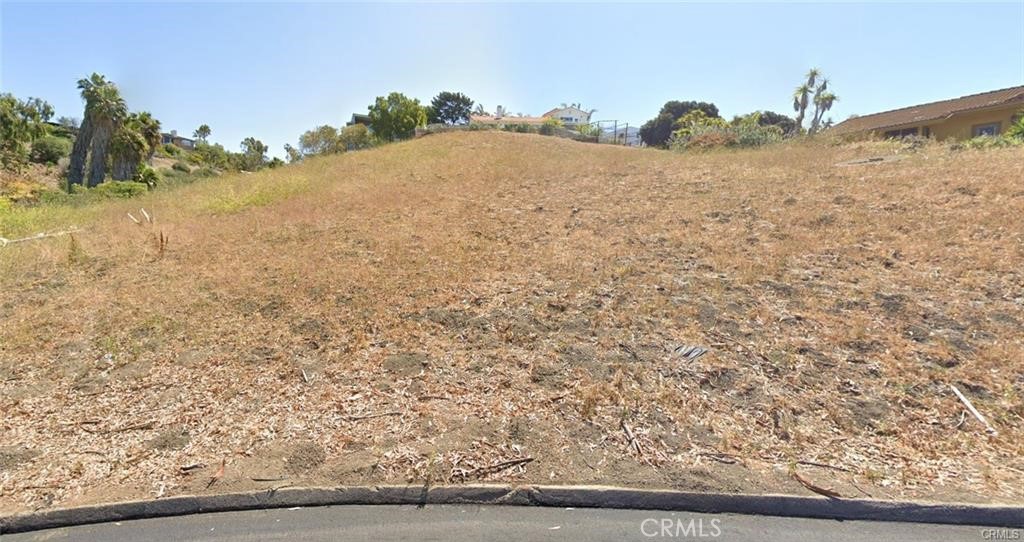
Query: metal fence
point(616, 132)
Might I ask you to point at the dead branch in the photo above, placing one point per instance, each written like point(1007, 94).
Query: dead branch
point(828, 492)
point(632, 438)
point(991, 430)
point(497, 467)
point(823, 465)
point(217, 475)
point(133, 427)
point(369, 416)
point(4, 241)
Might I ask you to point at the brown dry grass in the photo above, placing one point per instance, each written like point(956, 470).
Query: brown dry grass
point(424, 311)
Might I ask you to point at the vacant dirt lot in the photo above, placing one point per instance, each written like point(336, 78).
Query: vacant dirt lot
point(446, 309)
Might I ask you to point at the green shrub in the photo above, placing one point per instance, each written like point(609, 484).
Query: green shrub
point(49, 150)
point(1016, 129)
point(708, 137)
point(181, 166)
point(549, 126)
point(480, 126)
point(168, 150)
point(119, 189)
point(206, 172)
point(520, 127)
point(148, 176)
point(699, 131)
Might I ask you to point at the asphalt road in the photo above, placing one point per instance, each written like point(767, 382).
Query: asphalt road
point(453, 523)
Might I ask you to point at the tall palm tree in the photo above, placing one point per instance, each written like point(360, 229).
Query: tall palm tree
point(822, 103)
point(149, 127)
point(108, 111)
point(104, 111)
point(801, 99)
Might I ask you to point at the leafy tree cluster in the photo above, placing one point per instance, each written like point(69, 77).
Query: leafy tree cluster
point(396, 116)
point(658, 131)
point(21, 123)
point(330, 140)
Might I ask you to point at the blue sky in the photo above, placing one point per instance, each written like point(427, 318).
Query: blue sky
point(275, 70)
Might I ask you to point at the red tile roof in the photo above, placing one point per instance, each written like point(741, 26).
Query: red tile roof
point(930, 111)
point(486, 119)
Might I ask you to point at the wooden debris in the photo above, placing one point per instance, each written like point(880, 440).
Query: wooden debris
point(631, 437)
point(828, 492)
point(823, 465)
point(370, 416)
point(133, 427)
point(217, 475)
point(690, 352)
point(189, 469)
point(991, 430)
point(4, 241)
point(497, 467)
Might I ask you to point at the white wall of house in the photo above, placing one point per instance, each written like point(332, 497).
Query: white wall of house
point(570, 115)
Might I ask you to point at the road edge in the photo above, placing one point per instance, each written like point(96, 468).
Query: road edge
point(1007, 516)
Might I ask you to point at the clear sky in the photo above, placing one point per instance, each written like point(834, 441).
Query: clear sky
point(275, 70)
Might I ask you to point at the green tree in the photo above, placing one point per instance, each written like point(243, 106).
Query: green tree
point(104, 111)
point(293, 154)
point(202, 133)
point(254, 154)
point(771, 118)
point(355, 137)
point(21, 122)
point(396, 116)
point(212, 155)
point(450, 108)
point(319, 140)
point(657, 131)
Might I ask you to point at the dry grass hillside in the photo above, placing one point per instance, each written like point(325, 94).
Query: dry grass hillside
point(502, 307)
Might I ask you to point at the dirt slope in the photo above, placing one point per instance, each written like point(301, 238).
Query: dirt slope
point(429, 310)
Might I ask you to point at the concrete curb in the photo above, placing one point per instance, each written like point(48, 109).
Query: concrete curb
point(556, 496)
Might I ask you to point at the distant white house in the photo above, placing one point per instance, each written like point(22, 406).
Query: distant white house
point(570, 116)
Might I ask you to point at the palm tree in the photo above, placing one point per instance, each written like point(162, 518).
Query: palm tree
point(135, 141)
point(823, 101)
point(104, 111)
point(149, 127)
point(815, 90)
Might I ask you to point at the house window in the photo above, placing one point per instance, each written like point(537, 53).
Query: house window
point(926, 131)
point(989, 129)
point(896, 134)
